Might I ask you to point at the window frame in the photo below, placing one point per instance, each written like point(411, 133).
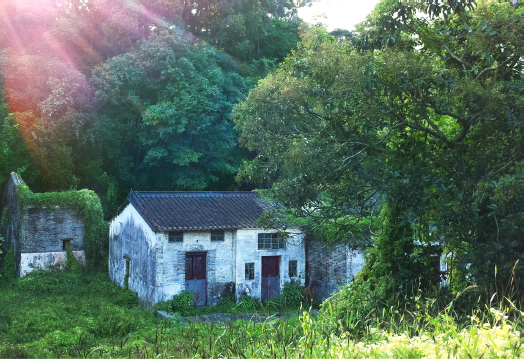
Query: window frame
point(218, 236)
point(293, 268)
point(178, 236)
point(269, 241)
point(249, 271)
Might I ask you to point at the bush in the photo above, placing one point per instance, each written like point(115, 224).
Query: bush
point(293, 294)
point(183, 303)
point(126, 298)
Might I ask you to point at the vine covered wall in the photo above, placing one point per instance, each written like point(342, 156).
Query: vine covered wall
point(86, 204)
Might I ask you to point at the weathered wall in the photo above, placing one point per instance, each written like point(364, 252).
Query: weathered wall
point(220, 264)
point(44, 231)
point(37, 234)
point(330, 267)
point(130, 238)
point(247, 252)
point(327, 267)
point(29, 262)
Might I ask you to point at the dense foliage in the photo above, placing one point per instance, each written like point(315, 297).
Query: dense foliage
point(110, 95)
point(426, 127)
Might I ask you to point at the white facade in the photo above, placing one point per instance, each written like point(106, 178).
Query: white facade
point(157, 266)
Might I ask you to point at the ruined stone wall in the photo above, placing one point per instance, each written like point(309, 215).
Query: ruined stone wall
point(44, 230)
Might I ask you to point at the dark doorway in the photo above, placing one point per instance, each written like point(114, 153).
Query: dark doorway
point(270, 277)
point(196, 276)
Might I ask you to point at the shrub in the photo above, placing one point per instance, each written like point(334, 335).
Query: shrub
point(293, 294)
point(183, 303)
point(127, 298)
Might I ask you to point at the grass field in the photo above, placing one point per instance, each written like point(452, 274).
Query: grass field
point(62, 315)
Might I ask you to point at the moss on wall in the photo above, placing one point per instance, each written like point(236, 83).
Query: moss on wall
point(86, 204)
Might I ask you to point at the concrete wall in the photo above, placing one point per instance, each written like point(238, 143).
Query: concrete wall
point(247, 252)
point(220, 264)
point(131, 239)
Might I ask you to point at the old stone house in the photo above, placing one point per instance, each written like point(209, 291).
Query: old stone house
point(162, 243)
point(39, 235)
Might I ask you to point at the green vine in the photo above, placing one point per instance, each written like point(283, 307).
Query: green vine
point(86, 204)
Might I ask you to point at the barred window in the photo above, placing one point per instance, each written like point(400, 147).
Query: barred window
point(293, 269)
point(176, 236)
point(270, 241)
point(250, 271)
point(217, 235)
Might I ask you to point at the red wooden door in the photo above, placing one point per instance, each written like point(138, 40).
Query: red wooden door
point(270, 277)
point(196, 279)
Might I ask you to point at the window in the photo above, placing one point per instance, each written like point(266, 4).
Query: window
point(270, 241)
point(217, 235)
point(250, 271)
point(293, 269)
point(66, 242)
point(176, 236)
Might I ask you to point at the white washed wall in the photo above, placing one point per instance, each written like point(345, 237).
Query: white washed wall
point(130, 235)
point(220, 263)
point(247, 252)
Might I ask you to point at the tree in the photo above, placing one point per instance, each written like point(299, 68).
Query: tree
point(429, 125)
point(164, 117)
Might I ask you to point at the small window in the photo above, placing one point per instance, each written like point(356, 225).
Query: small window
point(217, 235)
point(270, 241)
point(250, 271)
point(65, 242)
point(293, 269)
point(176, 236)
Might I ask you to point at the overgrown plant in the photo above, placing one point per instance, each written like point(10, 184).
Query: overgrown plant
point(72, 262)
point(86, 205)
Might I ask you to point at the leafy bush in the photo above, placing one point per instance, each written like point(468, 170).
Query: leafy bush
point(126, 298)
point(293, 294)
point(183, 303)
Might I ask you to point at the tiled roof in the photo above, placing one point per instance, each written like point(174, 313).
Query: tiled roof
point(194, 211)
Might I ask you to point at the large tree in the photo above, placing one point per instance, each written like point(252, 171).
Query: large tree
point(427, 124)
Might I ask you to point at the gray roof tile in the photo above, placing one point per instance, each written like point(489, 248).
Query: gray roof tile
point(194, 211)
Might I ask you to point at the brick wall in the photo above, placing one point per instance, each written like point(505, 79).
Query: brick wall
point(327, 267)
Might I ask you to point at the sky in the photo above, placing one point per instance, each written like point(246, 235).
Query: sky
point(343, 14)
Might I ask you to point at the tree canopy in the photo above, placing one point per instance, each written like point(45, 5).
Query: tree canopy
point(112, 94)
point(425, 126)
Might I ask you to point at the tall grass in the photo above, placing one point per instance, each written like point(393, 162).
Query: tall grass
point(56, 315)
